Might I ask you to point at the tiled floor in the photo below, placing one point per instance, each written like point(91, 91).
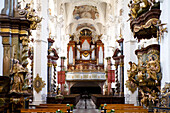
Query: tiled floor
point(80, 107)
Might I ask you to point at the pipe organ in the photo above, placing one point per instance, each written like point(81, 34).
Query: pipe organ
point(85, 54)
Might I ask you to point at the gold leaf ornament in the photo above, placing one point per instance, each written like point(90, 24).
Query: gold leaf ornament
point(38, 83)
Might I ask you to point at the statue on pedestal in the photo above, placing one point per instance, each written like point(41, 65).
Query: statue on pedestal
point(17, 73)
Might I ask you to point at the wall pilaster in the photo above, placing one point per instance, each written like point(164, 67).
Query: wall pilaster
point(165, 43)
point(40, 50)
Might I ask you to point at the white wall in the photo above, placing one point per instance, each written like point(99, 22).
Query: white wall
point(165, 43)
point(1, 5)
point(1, 57)
point(1, 45)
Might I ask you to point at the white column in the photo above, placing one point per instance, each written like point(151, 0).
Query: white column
point(165, 43)
point(129, 52)
point(1, 5)
point(1, 57)
point(40, 51)
point(130, 45)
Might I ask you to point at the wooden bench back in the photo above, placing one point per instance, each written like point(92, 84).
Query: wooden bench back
point(123, 107)
point(47, 108)
point(55, 104)
point(57, 107)
point(118, 104)
point(42, 110)
point(132, 111)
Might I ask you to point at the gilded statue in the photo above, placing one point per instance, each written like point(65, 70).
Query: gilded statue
point(152, 96)
point(140, 76)
point(29, 13)
point(18, 77)
point(34, 19)
point(133, 71)
point(138, 7)
point(135, 6)
point(153, 67)
point(144, 98)
point(146, 4)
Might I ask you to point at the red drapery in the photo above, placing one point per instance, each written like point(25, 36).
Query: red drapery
point(61, 77)
point(111, 76)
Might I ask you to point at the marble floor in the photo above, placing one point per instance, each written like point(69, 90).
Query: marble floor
point(80, 107)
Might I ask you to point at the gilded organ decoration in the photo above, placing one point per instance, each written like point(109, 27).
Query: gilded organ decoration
point(146, 75)
point(85, 11)
point(85, 54)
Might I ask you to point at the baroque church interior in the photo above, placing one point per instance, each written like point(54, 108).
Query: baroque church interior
point(84, 56)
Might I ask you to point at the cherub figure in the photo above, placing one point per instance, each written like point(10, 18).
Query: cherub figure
point(144, 98)
point(152, 96)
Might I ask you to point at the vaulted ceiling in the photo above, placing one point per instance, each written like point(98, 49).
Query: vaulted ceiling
point(83, 14)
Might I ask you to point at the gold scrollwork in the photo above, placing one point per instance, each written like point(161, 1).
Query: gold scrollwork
point(148, 24)
point(38, 84)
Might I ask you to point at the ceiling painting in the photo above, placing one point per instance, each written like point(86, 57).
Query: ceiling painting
point(85, 11)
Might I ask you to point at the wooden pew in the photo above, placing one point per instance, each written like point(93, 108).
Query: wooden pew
point(44, 110)
point(126, 110)
point(118, 104)
point(55, 104)
point(48, 108)
point(123, 108)
point(58, 105)
point(132, 111)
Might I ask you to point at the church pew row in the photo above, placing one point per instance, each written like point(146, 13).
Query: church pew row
point(58, 107)
point(55, 104)
point(48, 108)
point(103, 106)
point(70, 106)
point(44, 110)
point(118, 104)
point(126, 111)
point(122, 108)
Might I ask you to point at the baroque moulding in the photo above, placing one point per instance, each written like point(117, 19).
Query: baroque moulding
point(38, 83)
point(29, 14)
point(146, 75)
point(144, 27)
point(144, 18)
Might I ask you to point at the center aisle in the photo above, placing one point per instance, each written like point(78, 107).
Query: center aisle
point(80, 107)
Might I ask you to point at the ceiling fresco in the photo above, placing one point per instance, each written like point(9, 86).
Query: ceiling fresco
point(85, 11)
